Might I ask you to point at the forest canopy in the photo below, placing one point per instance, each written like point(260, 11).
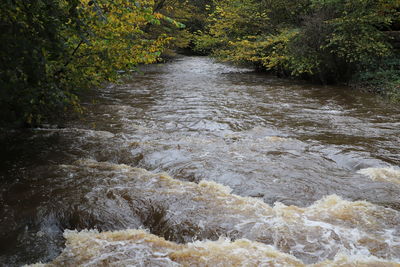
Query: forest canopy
point(51, 50)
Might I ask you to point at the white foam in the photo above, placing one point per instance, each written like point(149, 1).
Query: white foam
point(387, 174)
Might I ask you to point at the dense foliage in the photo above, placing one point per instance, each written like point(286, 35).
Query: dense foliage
point(52, 49)
point(324, 40)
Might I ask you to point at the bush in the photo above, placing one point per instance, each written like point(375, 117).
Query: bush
point(384, 80)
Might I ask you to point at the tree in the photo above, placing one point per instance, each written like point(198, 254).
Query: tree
point(52, 49)
point(325, 40)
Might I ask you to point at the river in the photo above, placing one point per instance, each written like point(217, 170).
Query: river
point(194, 162)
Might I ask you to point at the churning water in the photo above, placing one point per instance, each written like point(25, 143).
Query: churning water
point(196, 163)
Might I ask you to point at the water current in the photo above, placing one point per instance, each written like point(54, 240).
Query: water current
point(198, 163)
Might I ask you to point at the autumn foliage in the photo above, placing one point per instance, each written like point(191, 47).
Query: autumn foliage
point(52, 49)
point(323, 40)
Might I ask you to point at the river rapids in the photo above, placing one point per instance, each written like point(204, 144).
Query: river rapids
point(198, 163)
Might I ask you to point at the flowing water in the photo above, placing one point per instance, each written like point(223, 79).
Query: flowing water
point(197, 163)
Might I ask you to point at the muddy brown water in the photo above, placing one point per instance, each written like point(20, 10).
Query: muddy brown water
point(195, 150)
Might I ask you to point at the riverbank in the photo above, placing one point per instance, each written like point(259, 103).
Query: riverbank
point(384, 83)
point(326, 42)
